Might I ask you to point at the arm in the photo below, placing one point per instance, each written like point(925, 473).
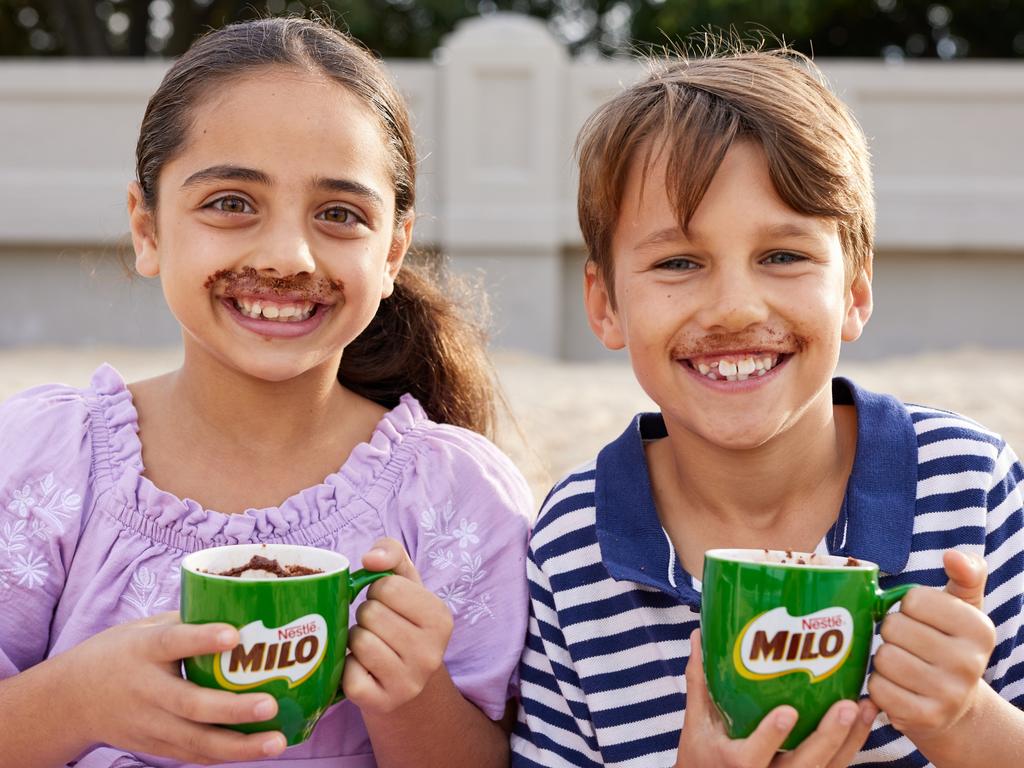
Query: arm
point(396, 676)
point(27, 704)
point(548, 733)
point(991, 732)
point(138, 702)
point(441, 728)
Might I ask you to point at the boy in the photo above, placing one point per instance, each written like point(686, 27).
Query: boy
point(726, 204)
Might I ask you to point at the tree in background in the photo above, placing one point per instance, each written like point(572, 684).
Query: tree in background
point(945, 29)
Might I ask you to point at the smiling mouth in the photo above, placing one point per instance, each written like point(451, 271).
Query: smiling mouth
point(276, 311)
point(737, 367)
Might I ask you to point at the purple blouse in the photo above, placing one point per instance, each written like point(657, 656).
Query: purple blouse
point(87, 542)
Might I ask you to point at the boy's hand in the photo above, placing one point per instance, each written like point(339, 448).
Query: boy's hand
point(705, 744)
point(402, 633)
point(128, 692)
point(928, 672)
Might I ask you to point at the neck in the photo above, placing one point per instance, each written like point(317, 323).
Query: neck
point(792, 482)
point(245, 410)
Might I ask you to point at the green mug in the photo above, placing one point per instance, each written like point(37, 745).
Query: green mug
point(294, 629)
point(787, 628)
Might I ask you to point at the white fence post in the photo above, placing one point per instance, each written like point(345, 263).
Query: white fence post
point(503, 168)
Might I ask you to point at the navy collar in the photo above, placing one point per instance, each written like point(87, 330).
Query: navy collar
point(875, 523)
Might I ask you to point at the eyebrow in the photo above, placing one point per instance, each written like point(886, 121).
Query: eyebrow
point(226, 173)
point(238, 173)
point(781, 230)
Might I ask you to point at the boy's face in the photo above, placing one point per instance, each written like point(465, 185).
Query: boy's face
point(733, 329)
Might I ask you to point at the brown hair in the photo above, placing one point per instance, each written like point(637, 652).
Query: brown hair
point(420, 341)
point(694, 109)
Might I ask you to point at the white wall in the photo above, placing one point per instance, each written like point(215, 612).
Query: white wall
point(496, 113)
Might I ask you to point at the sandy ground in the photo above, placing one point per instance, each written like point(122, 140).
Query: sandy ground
point(567, 411)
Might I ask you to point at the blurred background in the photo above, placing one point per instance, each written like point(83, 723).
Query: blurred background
point(498, 90)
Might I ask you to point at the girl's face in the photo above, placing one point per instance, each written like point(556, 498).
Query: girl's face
point(274, 233)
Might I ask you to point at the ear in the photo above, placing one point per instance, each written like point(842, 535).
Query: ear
point(143, 227)
point(604, 320)
point(858, 305)
point(400, 243)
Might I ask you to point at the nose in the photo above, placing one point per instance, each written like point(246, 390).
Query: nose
point(283, 250)
point(734, 300)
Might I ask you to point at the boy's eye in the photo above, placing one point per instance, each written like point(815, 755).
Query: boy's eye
point(338, 215)
point(783, 257)
point(231, 204)
point(678, 264)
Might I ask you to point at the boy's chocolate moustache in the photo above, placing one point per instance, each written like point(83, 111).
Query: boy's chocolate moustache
point(319, 290)
point(762, 340)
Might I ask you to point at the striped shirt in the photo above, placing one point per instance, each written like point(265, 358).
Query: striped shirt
point(611, 609)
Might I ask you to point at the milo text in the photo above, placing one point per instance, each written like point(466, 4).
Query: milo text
point(291, 652)
point(776, 643)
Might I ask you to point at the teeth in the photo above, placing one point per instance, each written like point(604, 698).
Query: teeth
point(738, 370)
point(281, 313)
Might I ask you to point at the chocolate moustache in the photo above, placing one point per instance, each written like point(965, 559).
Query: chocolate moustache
point(765, 339)
point(319, 290)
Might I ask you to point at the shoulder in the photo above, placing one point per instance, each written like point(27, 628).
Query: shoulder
point(950, 444)
point(566, 522)
point(58, 422)
point(44, 414)
point(432, 460)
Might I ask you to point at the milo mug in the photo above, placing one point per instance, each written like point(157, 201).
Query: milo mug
point(291, 608)
point(787, 628)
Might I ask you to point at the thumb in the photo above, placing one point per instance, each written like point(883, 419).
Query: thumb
point(388, 555)
point(967, 574)
point(697, 699)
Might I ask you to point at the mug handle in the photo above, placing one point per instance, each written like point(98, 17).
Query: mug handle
point(887, 598)
point(357, 582)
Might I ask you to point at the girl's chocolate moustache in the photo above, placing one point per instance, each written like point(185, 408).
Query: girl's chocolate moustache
point(319, 290)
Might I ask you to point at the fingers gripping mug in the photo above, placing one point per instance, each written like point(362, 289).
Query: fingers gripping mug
point(787, 628)
point(291, 607)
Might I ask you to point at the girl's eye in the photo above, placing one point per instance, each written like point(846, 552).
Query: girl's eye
point(678, 264)
point(231, 204)
point(339, 215)
point(784, 257)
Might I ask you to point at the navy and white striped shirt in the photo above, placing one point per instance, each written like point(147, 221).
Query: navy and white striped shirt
point(611, 609)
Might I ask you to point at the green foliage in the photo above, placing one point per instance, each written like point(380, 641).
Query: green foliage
point(414, 28)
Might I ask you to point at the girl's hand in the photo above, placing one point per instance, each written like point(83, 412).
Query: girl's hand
point(127, 691)
point(928, 672)
point(400, 638)
point(704, 742)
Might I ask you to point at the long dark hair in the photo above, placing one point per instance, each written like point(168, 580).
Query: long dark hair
point(421, 341)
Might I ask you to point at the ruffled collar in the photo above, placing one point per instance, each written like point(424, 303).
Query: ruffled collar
point(307, 517)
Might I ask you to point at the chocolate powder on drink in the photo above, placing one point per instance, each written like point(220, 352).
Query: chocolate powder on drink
point(260, 563)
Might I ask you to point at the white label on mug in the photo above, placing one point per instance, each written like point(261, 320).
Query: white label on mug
point(776, 643)
point(292, 652)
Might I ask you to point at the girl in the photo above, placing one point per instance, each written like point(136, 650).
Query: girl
point(275, 200)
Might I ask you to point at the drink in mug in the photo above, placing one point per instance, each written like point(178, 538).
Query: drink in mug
point(781, 627)
point(291, 606)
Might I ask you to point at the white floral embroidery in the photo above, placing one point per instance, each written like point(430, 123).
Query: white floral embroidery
point(49, 505)
point(31, 568)
point(458, 594)
point(42, 508)
point(465, 533)
point(5, 584)
point(12, 537)
point(22, 502)
point(145, 597)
